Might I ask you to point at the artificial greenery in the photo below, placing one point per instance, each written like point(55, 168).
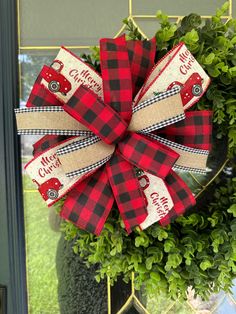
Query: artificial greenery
point(198, 249)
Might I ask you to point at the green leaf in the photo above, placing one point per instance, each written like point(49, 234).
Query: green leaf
point(169, 245)
point(232, 71)
point(213, 71)
point(109, 227)
point(163, 18)
point(220, 12)
point(205, 265)
point(232, 137)
point(160, 233)
point(174, 260)
point(232, 210)
point(209, 59)
point(141, 269)
point(191, 37)
point(155, 276)
point(75, 249)
point(233, 40)
point(98, 278)
point(113, 252)
point(149, 262)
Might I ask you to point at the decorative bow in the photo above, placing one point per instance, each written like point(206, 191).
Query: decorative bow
point(119, 137)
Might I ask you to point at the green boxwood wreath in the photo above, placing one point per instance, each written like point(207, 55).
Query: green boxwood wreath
point(198, 249)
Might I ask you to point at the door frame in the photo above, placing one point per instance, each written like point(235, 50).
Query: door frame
point(12, 241)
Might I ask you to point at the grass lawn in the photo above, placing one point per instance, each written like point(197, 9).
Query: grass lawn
point(41, 244)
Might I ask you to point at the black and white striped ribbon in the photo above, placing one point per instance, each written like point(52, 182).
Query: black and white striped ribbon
point(179, 146)
point(189, 169)
point(163, 124)
point(39, 109)
point(78, 145)
point(88, 168)
point(54, 132)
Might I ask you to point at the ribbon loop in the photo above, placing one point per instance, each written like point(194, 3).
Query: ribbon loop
point(190, 159)
point(181, 195)
point(194, 131)
point(177, 68)
point(48, 120)
point(89, 203)
point(83, 156)
point(46, 142)
point(116, 75)
point(127, 191)
point(100, 118)
point(141, 59)
point(157, 112)
point(148, 155)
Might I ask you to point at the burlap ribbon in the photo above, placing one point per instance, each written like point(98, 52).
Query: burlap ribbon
point(112, 137)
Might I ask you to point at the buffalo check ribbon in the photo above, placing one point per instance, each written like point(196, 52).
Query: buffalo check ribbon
point(99, 140)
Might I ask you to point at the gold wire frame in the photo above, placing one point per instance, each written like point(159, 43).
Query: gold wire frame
point(132, 299)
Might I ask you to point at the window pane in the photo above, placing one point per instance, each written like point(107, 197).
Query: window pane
point(50, 23)
point(177, 7)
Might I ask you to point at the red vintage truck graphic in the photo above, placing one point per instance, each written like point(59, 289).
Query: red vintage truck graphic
point(144, 183)
point(49, 189)
point(56, 81)
point(192, 87)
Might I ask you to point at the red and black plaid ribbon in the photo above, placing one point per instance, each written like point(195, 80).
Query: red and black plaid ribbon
point(150, 156)
point(141, 58)
point(40, 97)
point(100, 118)
point(90, 202)
point(181, 195)
point(46, 142)
point(116, 76)
point(194, 131)
point(117, 85)
point(126, 191)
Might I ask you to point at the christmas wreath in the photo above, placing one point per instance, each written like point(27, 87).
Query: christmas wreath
point(118, 150)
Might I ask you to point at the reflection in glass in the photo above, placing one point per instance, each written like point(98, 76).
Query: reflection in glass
point(40, 236)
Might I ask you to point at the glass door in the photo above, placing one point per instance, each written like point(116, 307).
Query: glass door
point(43, 26)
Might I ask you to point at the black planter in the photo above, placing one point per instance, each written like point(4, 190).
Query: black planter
point(78, 291)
